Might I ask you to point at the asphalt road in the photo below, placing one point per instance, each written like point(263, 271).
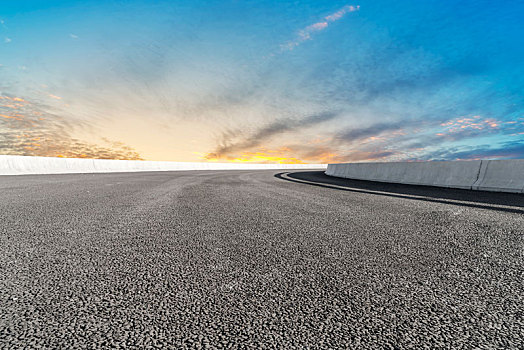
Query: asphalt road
point(256, 259)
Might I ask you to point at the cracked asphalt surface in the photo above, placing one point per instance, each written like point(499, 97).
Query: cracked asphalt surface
point(247, 259)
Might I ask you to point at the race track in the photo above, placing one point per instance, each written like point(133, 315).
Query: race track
point(256, 259)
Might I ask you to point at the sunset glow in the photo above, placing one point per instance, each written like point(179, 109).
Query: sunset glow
point(271, 82)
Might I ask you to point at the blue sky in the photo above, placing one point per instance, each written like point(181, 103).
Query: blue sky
point(263, 81)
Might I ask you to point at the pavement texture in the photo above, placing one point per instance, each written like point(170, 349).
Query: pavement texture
point(256, 260)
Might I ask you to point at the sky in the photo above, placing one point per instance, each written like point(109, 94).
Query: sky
point(262, 81)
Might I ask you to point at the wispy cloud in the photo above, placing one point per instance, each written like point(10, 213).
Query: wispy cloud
point(32, 129)
point(409, 84)
point(469, 125)
point(230, 145)
point(306, 33)
point(432, 140)
point(376, 130)
point(7, 40)
point(505, 150)
point(262, 155)
point(291, 154)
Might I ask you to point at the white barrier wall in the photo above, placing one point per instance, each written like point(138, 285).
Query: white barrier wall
point(19, 165)
point(501, 176)
point(485, 175)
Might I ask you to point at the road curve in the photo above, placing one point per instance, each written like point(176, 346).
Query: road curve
point(256, 259)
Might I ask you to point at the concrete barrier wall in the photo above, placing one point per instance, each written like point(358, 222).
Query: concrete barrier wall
point(486, 175)
point(501, 176)
point(19, 165)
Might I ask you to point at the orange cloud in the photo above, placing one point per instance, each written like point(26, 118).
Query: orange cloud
point(19, 102)
point(261, 156)
point(297, 154)
point(472, 123)
point(35, 130)
point(16, 117)
point(324, 157)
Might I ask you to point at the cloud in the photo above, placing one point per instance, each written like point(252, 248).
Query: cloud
point(73, 36)
point(229, 146)
point(306, 33)
point(505, 150)
point(451, 139)
point(397, 73)
point(295, 154)
point(356, 134)
point(316, 152)
point(325, 150)
point(7, 40)
point(300, 154)
point(467, 127)
point(32, 129)
point(262, 155)
point(463, 128)
point(369, 156)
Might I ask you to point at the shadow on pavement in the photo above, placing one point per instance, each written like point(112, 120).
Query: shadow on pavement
point(475, 199)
